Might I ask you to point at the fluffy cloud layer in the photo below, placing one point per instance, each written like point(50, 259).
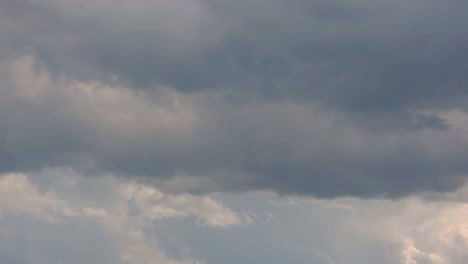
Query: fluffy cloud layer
point(60, 216)
point(323, 98)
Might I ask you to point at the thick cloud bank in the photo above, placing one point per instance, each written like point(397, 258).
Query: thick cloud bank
point(323, 98)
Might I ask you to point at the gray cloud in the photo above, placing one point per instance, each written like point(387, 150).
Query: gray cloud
point(324, 98)
point(352, 55)
point(368, 59)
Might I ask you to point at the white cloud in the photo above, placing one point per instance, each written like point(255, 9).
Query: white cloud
point(18, 195)
point(412, 255)
point(21, 198)
point(155, 205)
point(58, 210)
point(428, 232)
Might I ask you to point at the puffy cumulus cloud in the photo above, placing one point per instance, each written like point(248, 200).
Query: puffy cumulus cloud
point(44, 221)
point(415, 230)
point(437, 233)
point(200, 143)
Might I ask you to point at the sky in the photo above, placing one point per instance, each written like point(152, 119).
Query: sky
point(206, 132)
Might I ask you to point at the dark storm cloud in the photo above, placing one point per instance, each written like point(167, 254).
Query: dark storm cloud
point(327, 98)
point(357, 56)
point(7, 160)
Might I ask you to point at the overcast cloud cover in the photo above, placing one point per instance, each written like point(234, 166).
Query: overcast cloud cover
point(361, 103)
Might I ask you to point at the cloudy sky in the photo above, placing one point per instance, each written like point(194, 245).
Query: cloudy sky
point(216, 131)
